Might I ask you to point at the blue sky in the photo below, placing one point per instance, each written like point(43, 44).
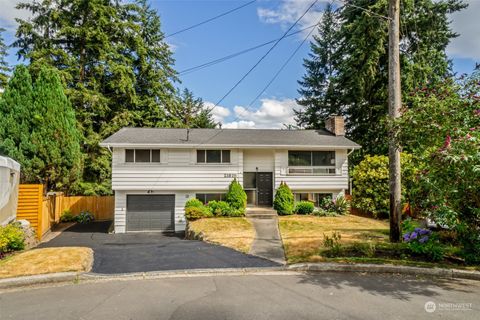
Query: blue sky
point(262, 21)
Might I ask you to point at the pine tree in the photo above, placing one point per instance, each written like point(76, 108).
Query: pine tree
point(360, 62)
point(4, 69)
point(191, 112)
point(116, 66)
point(317, 88)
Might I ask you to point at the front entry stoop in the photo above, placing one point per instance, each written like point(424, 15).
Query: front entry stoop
point(268, 243)
point(261, 213)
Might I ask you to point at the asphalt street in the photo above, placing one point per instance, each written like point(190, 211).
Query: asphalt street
point(292, 296)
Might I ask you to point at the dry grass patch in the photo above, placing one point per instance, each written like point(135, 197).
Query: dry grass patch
point(48, 260)
point(303, 235)
point(235, 233)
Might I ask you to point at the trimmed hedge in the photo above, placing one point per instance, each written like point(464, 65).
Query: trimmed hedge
point(194, 213)
point(283, 202)
point(236, 196)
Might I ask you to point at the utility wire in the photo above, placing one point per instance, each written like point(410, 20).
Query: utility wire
point(264, 56)
point(233, 55)
point(347, 3)
point(255, 65)
point(210, 19)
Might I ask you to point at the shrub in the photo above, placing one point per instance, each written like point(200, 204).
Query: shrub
point(236, 196)
point(220, 208)
point(341, 205)
point(324, 213)
point(12, 237)
point(67, 216)
point(304, 207)
point(470, 239)
point(283, 201)
point(370, 183)
point(334, 248)
point(194, 213)
point(424, 242)
point(85, 217)
point(194, 202)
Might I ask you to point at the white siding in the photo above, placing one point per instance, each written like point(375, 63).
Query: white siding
point(179, 172)
point(264, 160)
point(336, 182)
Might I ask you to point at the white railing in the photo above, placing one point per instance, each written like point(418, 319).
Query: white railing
point(311, 171)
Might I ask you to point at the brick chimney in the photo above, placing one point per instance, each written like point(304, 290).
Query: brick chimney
point(336, 125)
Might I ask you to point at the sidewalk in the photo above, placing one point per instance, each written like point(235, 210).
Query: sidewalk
point(268, 243)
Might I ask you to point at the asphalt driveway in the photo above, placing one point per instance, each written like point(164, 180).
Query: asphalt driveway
point(142, 252)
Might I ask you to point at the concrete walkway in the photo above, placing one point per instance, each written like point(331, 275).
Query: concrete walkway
point(268, 243)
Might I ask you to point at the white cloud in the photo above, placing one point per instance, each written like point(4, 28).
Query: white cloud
point(288, 11)
point(8, 13)
point(272, 113)
point(219, 113)
point(465, 23)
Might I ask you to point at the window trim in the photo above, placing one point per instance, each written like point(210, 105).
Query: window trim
point(312, 170)
point(213, 163)
point(143, 162)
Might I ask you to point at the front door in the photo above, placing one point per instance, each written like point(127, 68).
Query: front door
point(265, 189)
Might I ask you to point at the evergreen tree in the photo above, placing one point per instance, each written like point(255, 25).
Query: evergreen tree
point(16, 105)
point(191, 112)
point(114, 61)
point(316, 88)
point(4, 69)
point(54, 133)
point(360, 63)
point(38, 129)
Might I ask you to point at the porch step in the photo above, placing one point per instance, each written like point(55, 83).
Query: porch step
point(261, 213)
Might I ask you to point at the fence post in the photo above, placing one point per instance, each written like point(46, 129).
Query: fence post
point(40, 211)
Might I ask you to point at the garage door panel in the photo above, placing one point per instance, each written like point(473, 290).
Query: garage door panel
point(150, 212)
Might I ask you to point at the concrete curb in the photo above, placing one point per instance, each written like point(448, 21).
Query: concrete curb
point(73, 277)
point(39, 279)
point(378, 268)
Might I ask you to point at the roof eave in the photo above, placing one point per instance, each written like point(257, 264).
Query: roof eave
point(237, 146)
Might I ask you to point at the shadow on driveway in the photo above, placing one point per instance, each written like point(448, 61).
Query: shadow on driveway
point(142, 252)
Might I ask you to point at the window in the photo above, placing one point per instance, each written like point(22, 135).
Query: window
point(311, 162)
point(207, 197)
point(316, 198)
point(142, 155)
point(249, 180)
point(213, 156)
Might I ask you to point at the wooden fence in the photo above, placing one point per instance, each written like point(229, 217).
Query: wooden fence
point(43, 212)
point(30, 207)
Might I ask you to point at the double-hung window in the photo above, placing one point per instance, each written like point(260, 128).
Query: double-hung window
point(142, 155)
point(213, 156)
point(311, 162)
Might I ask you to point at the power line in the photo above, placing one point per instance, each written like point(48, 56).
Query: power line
point(255, 65)
point(236, 54)
point(281, 68)
point(346, 3)
point(210, 19)
point(264, 56)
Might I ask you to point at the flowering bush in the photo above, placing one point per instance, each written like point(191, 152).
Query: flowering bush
point(441, 127)
point(424, 242)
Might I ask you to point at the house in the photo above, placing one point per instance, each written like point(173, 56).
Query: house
point(155, 171)
point(9, 182)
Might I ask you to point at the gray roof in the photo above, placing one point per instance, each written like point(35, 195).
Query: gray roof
point(226, 137)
